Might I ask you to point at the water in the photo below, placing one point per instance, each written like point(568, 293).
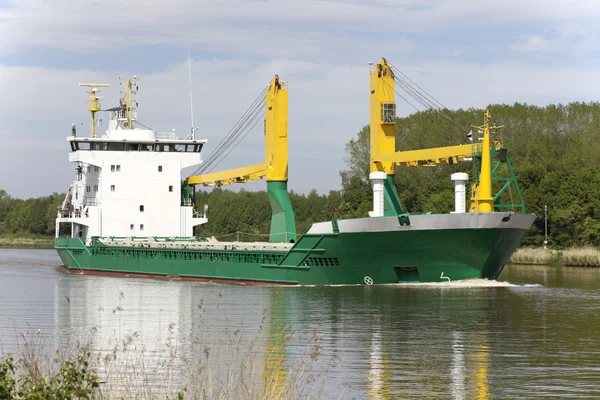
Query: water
point(534, 334)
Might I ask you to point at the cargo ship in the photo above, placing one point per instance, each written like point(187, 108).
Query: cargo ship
point(130, 214)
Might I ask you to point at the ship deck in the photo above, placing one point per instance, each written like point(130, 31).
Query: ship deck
point(208, 244)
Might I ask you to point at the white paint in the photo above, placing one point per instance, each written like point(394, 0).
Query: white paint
point(444, 277)
point(135, 192)
point(378, 179)
point(460, 191)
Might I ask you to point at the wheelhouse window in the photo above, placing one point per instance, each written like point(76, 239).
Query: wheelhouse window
point(118, 168)
point(112, 168)
point(131, 227)
point(112, 188)
point(170, 188)
point(160, 168)
point(141, 227)
point(159, 146)
point(141, 208)
point(388, 113)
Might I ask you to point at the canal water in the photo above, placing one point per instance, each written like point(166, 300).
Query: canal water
point(533, 334)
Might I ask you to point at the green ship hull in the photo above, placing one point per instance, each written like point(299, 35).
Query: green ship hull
point(431, 248)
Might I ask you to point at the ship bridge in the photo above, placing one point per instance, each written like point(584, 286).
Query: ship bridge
point(128, 181)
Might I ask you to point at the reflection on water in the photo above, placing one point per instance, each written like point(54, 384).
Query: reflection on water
point(533, 337)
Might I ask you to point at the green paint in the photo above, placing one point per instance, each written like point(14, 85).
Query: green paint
point(510, 180)
point(283, 224)
point(392, 206)
point(343, 258)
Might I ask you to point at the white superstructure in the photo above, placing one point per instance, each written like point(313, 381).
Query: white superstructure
point(129, 182)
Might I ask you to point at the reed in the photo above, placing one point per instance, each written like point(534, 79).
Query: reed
point(535, 256)
point(27, 242)
point(230, 366)
point(583, 257)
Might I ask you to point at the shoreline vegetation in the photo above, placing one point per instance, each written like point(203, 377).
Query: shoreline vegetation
point(573, 257)
point(230, 365)
point(18, 242)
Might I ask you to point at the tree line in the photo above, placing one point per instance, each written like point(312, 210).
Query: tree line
point(553, 150)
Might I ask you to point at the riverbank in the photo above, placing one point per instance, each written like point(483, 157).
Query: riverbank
point(16, 242)
point(576, 257)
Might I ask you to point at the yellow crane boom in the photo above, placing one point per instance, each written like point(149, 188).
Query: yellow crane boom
point(238, 175)
point(275, 167)
point(432, 156)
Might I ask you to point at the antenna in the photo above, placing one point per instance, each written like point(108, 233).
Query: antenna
point(192, 130)
point(94, 102)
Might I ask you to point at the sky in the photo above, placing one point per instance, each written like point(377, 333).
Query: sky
point(465, 53)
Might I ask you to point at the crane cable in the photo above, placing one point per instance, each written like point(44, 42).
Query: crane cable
point(232, 137)
point(236, 134)
point(420, 95)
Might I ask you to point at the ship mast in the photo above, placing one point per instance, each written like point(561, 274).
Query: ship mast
point(483, 200)
point(131, 88)
point(94, 102)
point(192, 129)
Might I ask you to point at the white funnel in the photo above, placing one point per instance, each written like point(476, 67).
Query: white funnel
point(378, 179)
point(460, 191)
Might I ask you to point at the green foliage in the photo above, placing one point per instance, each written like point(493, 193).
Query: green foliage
point(21, 379)
point(553, 150)
point(31, 217)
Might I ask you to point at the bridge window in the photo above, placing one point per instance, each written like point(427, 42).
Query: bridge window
point(141, 227)
point(141, 208)
point(160, 168)
point(131, 227)
point(170, 188)
point(112, 168)
point(96, 169)
point(118, 168)
point(388, 113)
point(112, 188)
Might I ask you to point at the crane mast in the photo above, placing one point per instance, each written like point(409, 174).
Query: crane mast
point(385, 158)
point(275, 167)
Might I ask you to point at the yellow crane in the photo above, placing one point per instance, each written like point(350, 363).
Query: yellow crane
point(384, 158)
point(275, 167)
point(94, 101)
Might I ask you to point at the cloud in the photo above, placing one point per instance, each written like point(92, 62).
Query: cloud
point(321, 47)
point(255, 27)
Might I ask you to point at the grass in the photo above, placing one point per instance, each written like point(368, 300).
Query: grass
point(27, 242)
point(581, 257)
point(232, 365)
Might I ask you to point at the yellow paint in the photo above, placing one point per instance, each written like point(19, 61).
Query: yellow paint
point(480, 357)
point(432, 157)
point(275, 354)
point(130, 90)
point(383, 139)
point(238, 175)
point(482, 200)
point(275, 167)
point(276, 131)
point(94, 102)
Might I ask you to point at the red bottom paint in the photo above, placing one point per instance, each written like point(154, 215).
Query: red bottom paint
point(178, 278)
